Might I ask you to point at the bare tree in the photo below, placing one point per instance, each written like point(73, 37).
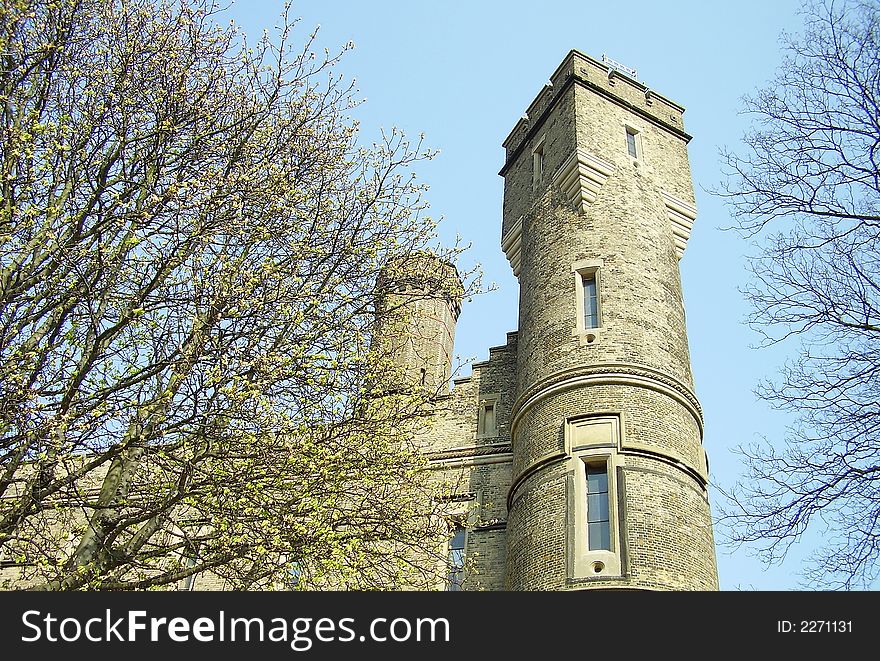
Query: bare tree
point(190, 238)
point(808, 188)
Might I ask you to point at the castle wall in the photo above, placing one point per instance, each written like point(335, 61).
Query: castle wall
point(473, 463)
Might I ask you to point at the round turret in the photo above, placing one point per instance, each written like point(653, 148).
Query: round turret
point(418, 303)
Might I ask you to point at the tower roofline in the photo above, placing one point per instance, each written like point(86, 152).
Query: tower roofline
point(600, 78)
point(618, 73)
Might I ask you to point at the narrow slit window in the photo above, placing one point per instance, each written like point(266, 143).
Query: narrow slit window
point(538, 164)
point(455, 561)
point(486, 426)
point(631, 143)
point(598, 519)
point(591, 301)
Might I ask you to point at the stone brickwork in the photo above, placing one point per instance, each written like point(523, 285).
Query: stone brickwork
point(475, 467)
point(419, 300)
point(577, 201)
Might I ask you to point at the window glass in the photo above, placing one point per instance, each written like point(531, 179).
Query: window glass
point(631, 143)
point(591, 302)
point(456, 560)
point(598, 521)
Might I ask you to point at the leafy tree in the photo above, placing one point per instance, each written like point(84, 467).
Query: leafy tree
point(190, 238)
point(808, 187)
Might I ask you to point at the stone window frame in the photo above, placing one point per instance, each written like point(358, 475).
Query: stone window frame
point(458, 525)
point(539, 164)
point(486, 401)
point(598, 522)
point(636, 134)
point(584, 563)
point(187, 584)
point(587, 268)
point(462, 511)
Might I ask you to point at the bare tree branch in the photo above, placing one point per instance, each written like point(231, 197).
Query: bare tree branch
point(807, 189)
point(190, 240)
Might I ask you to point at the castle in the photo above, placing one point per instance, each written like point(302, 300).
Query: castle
point(576, 448)
point(573, 455)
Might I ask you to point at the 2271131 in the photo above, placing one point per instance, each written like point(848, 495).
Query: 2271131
point(814, 626)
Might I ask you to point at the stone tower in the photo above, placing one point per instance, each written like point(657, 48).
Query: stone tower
point(419, 300)
point(608, 476)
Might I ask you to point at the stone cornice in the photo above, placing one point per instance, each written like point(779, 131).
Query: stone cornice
point(580, 177)
point(500, 524)
point(608, 373)
point(681, 216)
point(477, 454)
point(511, 245)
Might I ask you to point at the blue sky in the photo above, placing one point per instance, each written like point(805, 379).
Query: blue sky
point(464, 72)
